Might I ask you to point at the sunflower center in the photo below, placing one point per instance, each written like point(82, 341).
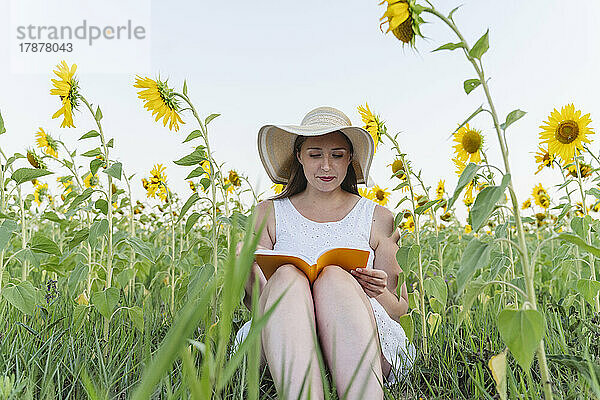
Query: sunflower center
point(380, 195)
point(567, 132)
point(404, 31)
point(547, 161)
point(471, 142)
point(167, 96)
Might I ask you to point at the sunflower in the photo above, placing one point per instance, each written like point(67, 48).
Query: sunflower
point(468, 198)
point(543, 158)
point(40, 192)
point(372, 124)
point(365, 193)
point(227, 184)
point(206, 167)
point(67, 89)
point(468, 228)
point(460, 165)
point(565, 132)
point(159, 99)
point(439, 191)
point(193, 186)
point(409, 224)
point(469, 143)
point(67, 184)
point(421, 200)
point(47, 143)
point(595, 207)
point(526, 204)
point(446, 216)
point(403, 19)
point(398, 169)
point(234, 178)
point(380, 196)
point(91, 181)
point(579, 210)
point(585, 170)
point(278, 188)
point(35, 160)
point(157, 185)
point(541, 196)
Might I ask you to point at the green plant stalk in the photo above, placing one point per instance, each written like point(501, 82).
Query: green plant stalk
point(172, 266)
point(588, 233)
point(109, 250)
point(25, 264)
point(132, 234)
point(527, 268)
point(407, 173)
point(2, 208)
point(437, 230)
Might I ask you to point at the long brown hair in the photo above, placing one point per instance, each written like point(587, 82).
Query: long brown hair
point(297, 182)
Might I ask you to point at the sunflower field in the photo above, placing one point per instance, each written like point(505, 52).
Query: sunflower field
point(104, 296)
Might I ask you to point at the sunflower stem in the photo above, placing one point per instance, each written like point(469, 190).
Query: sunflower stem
point(527, 268)
point(407, 172)
point(25, 263)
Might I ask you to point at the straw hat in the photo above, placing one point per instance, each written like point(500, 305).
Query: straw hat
point(276, 143)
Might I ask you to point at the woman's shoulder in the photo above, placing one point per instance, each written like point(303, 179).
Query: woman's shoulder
point(266, 209)
point(382, 225)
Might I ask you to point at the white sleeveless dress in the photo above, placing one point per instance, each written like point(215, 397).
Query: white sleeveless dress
point(294, 232)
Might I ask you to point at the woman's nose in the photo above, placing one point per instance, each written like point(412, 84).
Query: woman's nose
point(325, 165)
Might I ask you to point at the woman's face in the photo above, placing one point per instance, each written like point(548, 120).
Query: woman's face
point(325, 160)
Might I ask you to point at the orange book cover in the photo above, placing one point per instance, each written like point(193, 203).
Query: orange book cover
point(345, 257)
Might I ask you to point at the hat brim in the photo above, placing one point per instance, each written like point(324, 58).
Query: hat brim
point(276, 148)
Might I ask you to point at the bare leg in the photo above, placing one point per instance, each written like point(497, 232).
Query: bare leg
point(287, 338)
point(344, 314)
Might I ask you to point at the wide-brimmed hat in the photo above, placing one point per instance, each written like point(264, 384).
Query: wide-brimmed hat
point(276, 143)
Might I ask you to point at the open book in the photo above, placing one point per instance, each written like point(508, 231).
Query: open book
point(347, 258)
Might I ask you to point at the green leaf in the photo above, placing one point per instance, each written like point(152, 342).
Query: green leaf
point(205, 182)
point(102, 205)
point(580, 226)
point(110, 143)
point(475, 256)
point(594, 192)
point(210, 118)
point(195, 157)
point(190, 202)
point(471, 84)
point(450, 46)
point(78, 200)
point(78, 275)
point(452, 12)
point(465, 178)
point(589, 289)
point(95, 165)
point(198, 171)
point(22, 296)
point(407, 257)
point(192, 219)
point(588, 369)
point(522, 331)
point(141, 248)
point(97, 230)
point(195, 134)
point(576, 240)
point(26, 174)
point(485, 203)
point(114, 170)
point(480, 47)
point(136, 315)
point(51, 216)
point(79, 237)
point(93, 153)
point(420, 210)
point(42, 244)
point(436, 287)
point(513, 116)
point(470, 117)
point(105, 301)
point(79, 314)
point(2, 128)
point(472, 290)
point(98, 115)
point(90, 134)
point(185, 87)
point(5, 234)
point(408, 325)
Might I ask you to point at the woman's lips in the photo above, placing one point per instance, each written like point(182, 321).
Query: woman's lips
point(326, 179)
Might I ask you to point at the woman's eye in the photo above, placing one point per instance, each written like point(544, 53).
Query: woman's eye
point(314, 155)
point(338, 155)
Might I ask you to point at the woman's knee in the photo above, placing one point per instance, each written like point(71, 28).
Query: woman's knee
point(286, 277)
point(333, 278)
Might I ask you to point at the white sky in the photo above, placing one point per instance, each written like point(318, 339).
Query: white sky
point(272, 61)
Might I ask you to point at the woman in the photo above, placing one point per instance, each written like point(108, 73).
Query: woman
point(354, 315)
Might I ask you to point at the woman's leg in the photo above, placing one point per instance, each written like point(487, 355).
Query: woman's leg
point(344, 315)
point(287, 338)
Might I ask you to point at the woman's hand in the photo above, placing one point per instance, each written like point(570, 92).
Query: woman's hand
point(373, 281)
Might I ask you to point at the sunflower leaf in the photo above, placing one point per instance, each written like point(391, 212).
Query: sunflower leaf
point(114, 170)
point(474, 257)
point(480, 109)
point(512, 117)
point(589, 289)
point(190, 202)
point(26, 174)
point(210, 118)
point(471, 84)
point(95, 165)
point(465, 178)
point(480, 47)
point(193, 218)
point(576, 240)
point(92, 153)
point(196, 172)
point(486, 202)
point(195, 157)
point(98, 115)
point(195, 134)
point(185, 87)
point(426, 206)
point(522, 331)
point(452, 12)
point(90, 134)
point(42, 244)
point(450, 46)
point(2, 129)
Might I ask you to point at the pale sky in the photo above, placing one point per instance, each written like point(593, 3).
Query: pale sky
point(273, 61)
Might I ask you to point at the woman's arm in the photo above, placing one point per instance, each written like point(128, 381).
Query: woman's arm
point(264, 209)
point(386, 238)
